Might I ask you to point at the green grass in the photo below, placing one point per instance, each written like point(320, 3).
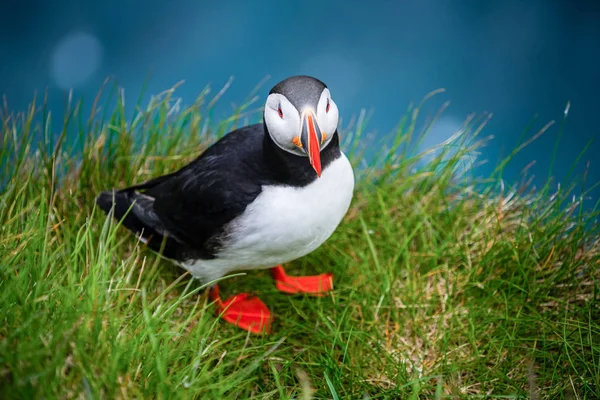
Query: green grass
point(444, 287)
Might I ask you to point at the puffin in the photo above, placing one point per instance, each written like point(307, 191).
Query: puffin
point(261, 196)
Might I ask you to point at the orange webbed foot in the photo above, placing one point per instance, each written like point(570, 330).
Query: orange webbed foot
point(243, 310)
point(316, 285)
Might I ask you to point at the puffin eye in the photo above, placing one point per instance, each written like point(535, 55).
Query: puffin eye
point(327, 108)
point(279, 111)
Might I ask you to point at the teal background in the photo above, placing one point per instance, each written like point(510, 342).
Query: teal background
point(517, 59)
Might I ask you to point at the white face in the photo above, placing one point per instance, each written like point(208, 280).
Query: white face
point(284, 121)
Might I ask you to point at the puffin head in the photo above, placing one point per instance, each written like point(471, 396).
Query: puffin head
point(301, 117)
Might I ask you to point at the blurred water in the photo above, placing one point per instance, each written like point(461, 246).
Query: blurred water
point(514, 58)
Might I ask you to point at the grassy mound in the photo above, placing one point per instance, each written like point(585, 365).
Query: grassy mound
point(442, 288)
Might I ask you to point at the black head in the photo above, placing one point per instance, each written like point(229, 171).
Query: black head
point(301, 90)
point(301, 117)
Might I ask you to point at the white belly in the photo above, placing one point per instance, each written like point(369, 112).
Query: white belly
point(282, 224)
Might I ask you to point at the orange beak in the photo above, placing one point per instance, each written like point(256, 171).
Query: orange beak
point(311, 141)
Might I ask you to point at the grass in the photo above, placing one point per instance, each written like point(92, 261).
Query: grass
point(445, 286)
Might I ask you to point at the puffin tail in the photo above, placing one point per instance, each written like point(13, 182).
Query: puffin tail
point(122, 203)
point(135, 212)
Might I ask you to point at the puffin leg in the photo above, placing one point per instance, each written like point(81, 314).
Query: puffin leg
point(315, 285)
point(243, 310)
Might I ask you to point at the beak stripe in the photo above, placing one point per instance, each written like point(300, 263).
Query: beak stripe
point(314, 148)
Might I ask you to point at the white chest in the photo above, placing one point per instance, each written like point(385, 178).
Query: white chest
point(284, 223)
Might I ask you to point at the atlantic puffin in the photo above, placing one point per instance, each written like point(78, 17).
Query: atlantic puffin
point(261, 196)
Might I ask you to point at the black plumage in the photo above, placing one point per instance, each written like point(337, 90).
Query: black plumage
point(184, 214)
point(300, 90)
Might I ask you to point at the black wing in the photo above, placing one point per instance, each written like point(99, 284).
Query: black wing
point(189, 208)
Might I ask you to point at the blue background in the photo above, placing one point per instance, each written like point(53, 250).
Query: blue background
point(517, 59)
